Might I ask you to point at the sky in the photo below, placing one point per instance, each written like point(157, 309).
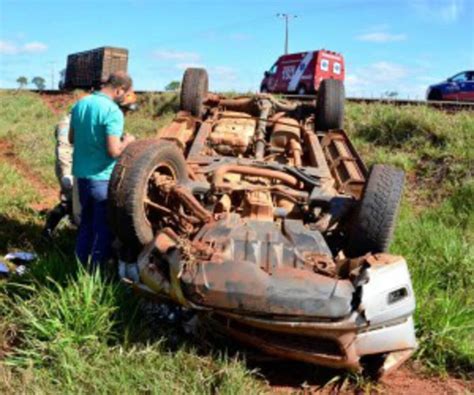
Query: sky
point(389, 46)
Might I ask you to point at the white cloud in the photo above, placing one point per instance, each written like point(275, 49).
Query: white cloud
point(381, 37)
point(221, 78)
point(179, 56)
point(387, 71)
point(382, 76)
point(447, 11)
point(354, 81)
point(34, 47)
point(240, 37)
point(7, 48)
point(225, 78)
point(184, 66)
point(11, 48)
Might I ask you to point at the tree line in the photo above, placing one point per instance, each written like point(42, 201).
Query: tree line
point(39, 82)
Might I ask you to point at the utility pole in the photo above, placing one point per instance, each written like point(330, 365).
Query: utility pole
point(52, 74)
point(286, 17)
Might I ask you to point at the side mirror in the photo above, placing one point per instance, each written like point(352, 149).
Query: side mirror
point(449, 80)
point(266, 74)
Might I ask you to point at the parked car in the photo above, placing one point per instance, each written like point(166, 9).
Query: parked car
point(458, 88)
point(260, 215)
point(303, 72)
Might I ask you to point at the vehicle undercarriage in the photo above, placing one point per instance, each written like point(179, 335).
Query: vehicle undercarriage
point(259, 214)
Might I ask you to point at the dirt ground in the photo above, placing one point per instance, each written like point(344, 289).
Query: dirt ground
point(48, 196)
point(58, 103)
point(406, 381)
point(295, 378)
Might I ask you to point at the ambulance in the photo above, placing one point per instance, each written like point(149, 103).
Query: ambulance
point(302, 72)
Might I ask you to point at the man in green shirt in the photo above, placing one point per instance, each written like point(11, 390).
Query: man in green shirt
point(96, 131)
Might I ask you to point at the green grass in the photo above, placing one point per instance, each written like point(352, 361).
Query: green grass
point(66, 331)
point(438, 245)
point(27, 121)
point(155, 111)
point(81, 337)
point(437, 148)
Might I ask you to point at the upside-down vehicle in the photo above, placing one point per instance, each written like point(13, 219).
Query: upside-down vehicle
point(259, 214)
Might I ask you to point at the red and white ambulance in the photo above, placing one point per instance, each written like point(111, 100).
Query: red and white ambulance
point(303, 72)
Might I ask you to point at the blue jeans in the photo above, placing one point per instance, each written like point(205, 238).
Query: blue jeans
point(94, 240)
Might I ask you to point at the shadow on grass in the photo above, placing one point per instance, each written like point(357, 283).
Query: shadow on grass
point(56, 258)
point(143, 326)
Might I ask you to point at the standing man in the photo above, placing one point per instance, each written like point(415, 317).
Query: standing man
point(63, 170)
point(96, 131)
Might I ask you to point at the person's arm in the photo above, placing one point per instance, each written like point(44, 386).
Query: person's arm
point(116, 140)
point(115, 145)
point(71, 135)
point(71, 129)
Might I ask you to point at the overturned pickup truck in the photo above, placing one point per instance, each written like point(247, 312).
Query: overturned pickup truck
point(259, 214)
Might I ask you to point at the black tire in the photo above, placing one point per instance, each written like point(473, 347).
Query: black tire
point(263, 89)
point(435, 95)
point(194, 89)
point(116, 198)
point(127, 196)
point(330, 105)
point(372, 227)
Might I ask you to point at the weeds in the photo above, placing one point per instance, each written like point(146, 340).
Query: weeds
point(26, 121)
point(438, 246)
point(68, 337)
point(436, 148)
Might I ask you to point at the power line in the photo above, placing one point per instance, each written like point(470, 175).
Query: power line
point(286, 17)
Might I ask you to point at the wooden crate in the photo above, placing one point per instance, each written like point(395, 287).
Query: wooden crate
point(86, 70)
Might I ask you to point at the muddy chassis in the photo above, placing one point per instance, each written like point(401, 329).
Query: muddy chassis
point(259, 214)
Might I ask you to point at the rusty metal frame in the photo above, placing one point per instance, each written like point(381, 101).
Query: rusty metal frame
point(328, 158)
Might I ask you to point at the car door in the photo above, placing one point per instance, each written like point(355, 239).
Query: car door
point(455, 87)
point(468, 88)
point(271, 78)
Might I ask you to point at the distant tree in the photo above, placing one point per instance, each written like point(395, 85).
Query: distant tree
point(172, 86)
point(39, 82)
point(391, 94)
point(22, 82)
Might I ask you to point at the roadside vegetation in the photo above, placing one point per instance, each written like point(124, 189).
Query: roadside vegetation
point(63, 330)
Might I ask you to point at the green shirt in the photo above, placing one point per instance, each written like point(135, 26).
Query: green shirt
point(93, 119)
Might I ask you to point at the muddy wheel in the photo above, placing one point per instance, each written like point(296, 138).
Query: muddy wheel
point(194, 88)
point(374, 222)
point(135, 193)
point(116, 197)
point(330, 105)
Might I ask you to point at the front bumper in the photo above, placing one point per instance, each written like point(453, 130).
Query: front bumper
point(377, 322)
point(382, 325)
point(337, 345)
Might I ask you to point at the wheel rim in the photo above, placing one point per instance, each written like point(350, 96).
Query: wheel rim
point(157, 203)
point(301, 91)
